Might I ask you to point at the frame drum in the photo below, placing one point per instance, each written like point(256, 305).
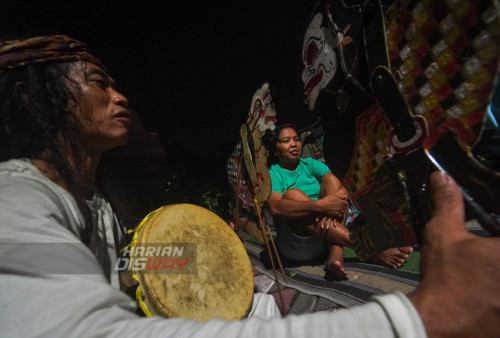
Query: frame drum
point(189, 263)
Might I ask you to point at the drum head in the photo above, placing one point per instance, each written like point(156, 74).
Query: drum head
point(211, 278)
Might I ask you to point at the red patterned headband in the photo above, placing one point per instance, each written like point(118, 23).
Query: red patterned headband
point(42, 49)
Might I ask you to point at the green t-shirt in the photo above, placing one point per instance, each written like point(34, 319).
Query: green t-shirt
point(306, 177)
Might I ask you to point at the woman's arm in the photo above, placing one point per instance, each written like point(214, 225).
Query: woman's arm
point(331, 206)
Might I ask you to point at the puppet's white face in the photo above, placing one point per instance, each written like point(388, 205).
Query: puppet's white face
point(319, 58)
point(263, 109)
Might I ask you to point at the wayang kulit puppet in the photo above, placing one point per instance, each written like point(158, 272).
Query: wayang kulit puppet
point(247, 168)
point(402, 89)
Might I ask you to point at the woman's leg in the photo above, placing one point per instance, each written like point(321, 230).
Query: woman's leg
point(393, 257)
point(294, 240)
point(300, 226)
point(334, 266)
point(334, 232)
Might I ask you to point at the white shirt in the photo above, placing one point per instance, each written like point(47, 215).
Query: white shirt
point(52, 285)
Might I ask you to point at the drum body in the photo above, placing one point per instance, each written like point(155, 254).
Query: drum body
point(190, 264)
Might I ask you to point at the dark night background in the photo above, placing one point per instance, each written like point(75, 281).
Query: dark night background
point(188, 68)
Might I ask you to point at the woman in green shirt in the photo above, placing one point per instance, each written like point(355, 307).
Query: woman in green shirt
point(310, 208)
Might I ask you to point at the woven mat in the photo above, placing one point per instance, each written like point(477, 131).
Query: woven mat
point(365, 280)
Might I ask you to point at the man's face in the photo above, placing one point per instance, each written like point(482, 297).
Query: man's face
point(103, 113)
point(319, 58)
point(288, 146)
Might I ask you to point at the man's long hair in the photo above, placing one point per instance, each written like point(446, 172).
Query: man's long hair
point(37, 121)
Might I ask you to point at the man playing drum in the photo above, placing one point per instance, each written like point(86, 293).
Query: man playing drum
point(59, 113)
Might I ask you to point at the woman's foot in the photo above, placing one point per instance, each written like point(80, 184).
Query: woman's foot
point(393, 257)
point(334, 266)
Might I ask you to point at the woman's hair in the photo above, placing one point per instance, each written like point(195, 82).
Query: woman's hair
point(37, 121)
point(270, 140)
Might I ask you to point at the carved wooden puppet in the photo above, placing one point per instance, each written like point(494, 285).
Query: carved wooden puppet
point(402, 89)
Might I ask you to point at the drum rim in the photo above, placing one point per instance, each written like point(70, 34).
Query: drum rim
point(142, 300)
